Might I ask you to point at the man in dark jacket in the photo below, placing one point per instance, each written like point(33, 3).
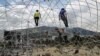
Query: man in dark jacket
point(63, 16)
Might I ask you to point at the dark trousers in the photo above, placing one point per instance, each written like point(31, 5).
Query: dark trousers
point(60, 38)
point(65, 39)
point(64, 19)
point(36, 20)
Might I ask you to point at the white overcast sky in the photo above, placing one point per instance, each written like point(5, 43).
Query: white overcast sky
point(18, 14)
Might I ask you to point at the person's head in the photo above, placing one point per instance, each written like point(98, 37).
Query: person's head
point(37, 10)
point(62, 9)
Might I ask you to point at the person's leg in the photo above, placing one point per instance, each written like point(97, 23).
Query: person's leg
point(64, 19)
point(60, 38)
point(35, 21)
point(65, 39)
point(65, 22)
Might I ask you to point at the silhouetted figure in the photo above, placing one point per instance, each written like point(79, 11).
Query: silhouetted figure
point(65, 39)
point(59, 35)
point(64, 36)
point(37, 16)
point(63, 16)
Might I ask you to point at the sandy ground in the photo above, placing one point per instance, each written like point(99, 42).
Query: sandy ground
point(66, 51)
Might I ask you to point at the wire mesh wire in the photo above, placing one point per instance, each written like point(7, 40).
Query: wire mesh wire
point(18, 42)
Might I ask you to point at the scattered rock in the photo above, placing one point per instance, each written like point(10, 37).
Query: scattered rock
point(76, 51)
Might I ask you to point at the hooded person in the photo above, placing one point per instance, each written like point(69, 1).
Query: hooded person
point(63, 16)
point(37, 16)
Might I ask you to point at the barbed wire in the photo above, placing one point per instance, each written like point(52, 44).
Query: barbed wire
point(48, 15)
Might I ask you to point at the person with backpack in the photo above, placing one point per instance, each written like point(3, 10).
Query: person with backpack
point(37, 16)
point(63, 16)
